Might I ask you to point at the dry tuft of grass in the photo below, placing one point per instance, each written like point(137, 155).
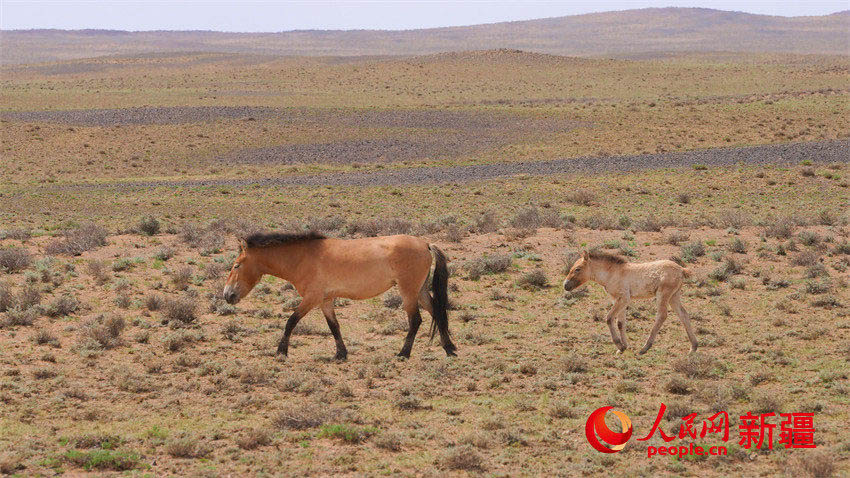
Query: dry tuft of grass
point(698, 366)
point(305, 416)
point(254, 438)
point(187, 447)
point(463, 457)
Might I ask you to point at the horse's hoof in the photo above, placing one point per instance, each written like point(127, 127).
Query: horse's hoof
point(403, 355)
point(642, 351)
point(341, 357)
point(451, 353)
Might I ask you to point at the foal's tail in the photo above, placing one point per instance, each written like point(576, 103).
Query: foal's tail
point(440, 301)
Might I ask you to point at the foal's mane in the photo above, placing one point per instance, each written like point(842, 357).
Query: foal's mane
point(271, 239)
point(606, 257)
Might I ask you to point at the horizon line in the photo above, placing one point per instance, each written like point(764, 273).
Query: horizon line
point(90, 29)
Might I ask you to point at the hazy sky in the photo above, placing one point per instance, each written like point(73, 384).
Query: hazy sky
point(252, 16)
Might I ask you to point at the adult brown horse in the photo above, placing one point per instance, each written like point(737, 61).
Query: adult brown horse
point(322, 269)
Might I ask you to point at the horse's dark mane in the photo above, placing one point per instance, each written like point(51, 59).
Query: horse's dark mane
point(610, 258)
point(271, 239)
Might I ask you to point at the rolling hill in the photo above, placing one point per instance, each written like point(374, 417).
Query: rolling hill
point(621, 33)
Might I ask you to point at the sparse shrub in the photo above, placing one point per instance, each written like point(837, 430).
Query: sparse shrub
point(676, 237)
point(77, 241)
point(550, 218)
point(697, 366)
point(97, 270)
point(45, 337)
point(326, 224)
point(462, 458)
point(29, 297)
point(738, 246)
point(581, 197)
point(807, 172)
point(305, 416)
point(389, 441)
point(809, 238)
point(153, 302)
point(562, 410)
point(148, 226)
point(6, 297)
point(103, 460)
point(174, 342)
point(18, 316)
point(486, 222)
point(454, 233)
point(826, 218)
point(254, 438)
point(781, 228)
point(815, 287)
point(817, 464)
point(805, 258)
point(347, 433)
point(692, 250)
point(180, 310)
point(164, 253)
point(535, 279)
point(22, 235)
point(392, 301)
point(181, 277)
point(683, 198)
point(649, 224)
point(488, 264)
point(61, 306)
point(102, 332)
point(14, 259)
point(599, 222)
point(187, 447)
point(574, 364)
point(528, 218)
point(678, 386)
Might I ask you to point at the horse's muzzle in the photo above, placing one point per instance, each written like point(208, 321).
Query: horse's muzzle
point(570, 285)
point(231, 295)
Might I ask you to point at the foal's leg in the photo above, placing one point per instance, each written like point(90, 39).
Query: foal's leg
point(414, 319)
point(330, 317)
point(619, 305)
point(676, 302)
point(621, 324)
point(307, 304)
point(662, 299)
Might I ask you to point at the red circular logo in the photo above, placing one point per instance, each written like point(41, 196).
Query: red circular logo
point(596, 426)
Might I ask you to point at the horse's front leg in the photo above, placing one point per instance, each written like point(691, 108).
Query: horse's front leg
point(307, 304)
point(619, 305)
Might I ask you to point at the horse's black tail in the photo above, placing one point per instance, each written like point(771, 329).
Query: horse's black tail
point(440, 301)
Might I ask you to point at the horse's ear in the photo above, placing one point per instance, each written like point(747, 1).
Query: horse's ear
point(584, 255)
point(243, 245)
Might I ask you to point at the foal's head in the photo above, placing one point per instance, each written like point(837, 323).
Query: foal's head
point(243, 276)
point(579, 273)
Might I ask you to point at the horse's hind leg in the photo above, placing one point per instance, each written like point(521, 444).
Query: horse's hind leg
point(659, 320)
point(676, 303)
point(411, 299)
point(330, 317)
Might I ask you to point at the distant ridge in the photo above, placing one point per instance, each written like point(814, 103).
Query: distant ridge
point(610, 33)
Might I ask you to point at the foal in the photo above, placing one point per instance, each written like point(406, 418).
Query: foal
point(322, 269)
point(624, 281)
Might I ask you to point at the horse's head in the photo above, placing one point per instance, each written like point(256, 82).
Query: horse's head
point(243, 276)
point(579, 273)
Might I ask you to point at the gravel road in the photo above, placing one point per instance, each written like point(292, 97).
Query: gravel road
point(779, 154)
